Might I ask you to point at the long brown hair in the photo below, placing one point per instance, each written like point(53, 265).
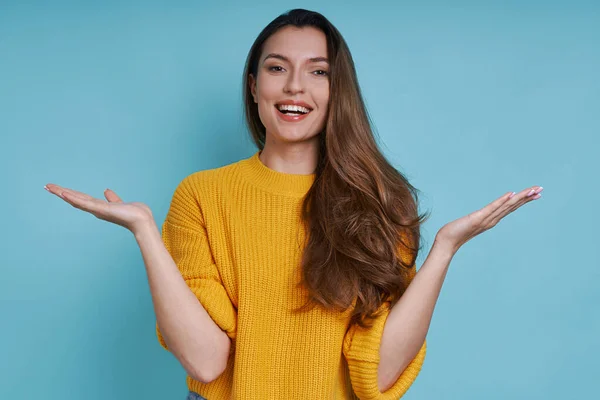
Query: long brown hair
point(361, 214)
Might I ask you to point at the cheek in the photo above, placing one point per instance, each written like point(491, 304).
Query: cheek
point(324, 101)
point(323, 96)
point(265, 112)
point(268, 89)
point(266, 97)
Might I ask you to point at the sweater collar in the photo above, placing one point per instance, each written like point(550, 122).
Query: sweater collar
point(274, 181)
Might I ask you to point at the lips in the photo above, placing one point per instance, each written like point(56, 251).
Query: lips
point(290, 118)
point(294, 103)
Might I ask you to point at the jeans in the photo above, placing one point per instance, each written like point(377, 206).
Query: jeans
point(194, 396)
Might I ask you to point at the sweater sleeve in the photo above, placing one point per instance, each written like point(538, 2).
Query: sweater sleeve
point(185, 238)
point(361, 350)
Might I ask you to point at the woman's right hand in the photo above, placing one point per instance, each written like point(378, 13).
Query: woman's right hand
point(133, 216)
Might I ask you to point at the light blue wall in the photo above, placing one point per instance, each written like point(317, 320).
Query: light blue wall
point(470, 100)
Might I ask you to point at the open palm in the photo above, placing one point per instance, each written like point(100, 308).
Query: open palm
point(458, 232)
point(113, 209)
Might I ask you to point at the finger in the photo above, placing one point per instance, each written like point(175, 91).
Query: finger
point(491, 208)
point(112, 196)
point(91, 205)
point(58, 190)
point(517, 200)
point(527, 199)
point(523, 197)
point(520, 197)
point(499, 216)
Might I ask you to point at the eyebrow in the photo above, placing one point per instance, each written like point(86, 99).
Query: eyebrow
point(284, 58)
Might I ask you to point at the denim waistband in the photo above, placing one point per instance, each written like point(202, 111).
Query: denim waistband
point(194, 396)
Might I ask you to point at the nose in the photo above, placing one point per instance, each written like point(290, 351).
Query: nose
point(294, 83)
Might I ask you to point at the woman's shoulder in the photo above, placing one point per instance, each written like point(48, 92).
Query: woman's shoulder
point(203, 189)
point(210, 179)
point(212, 175)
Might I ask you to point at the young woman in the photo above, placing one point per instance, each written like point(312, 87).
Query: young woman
point(286, 275)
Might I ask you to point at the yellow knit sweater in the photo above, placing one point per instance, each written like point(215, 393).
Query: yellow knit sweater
point(235, 234)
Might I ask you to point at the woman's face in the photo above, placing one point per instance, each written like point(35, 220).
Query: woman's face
point(293, 67)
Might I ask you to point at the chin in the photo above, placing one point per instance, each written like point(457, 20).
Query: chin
point(298, 136)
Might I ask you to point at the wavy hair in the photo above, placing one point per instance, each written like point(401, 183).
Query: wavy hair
point(361, 214)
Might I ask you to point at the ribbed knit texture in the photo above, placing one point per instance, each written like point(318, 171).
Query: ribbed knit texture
point(235, 233)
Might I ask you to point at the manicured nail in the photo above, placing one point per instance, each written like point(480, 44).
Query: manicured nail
point(539, 189)
point(46, 188)
point(530, 192)
point(537, 196)
point(511, 195)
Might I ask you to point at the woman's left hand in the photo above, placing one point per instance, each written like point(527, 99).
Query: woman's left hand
point(456, 233)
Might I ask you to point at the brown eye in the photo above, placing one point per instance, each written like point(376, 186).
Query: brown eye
point(276, 66)
point(324, 73)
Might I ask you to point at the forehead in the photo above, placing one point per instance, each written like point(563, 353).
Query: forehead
point(296, 43)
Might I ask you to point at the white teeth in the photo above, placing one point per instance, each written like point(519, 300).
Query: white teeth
point(287, 107)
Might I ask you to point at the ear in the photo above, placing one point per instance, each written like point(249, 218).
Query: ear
point(252, 83)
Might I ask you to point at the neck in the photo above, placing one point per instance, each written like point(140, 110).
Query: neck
point(276, 182)
point(299, 158)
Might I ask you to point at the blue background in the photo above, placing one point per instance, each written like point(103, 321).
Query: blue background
point(470, 100)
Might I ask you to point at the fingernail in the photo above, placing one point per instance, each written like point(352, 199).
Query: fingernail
point(46, 188)
point(511, 195)
point(539, 189)
point(530, 193)
point(537, 196)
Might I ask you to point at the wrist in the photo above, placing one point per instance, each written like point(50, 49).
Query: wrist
point(445, 246)
point(144, 229)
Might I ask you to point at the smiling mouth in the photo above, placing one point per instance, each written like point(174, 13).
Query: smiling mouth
point(292, 111)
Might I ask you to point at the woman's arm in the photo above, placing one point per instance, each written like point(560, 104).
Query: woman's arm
point(195, 340)
point(410, 317)
point(191, 335)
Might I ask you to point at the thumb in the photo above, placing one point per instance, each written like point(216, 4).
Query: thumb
point(112, 196)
